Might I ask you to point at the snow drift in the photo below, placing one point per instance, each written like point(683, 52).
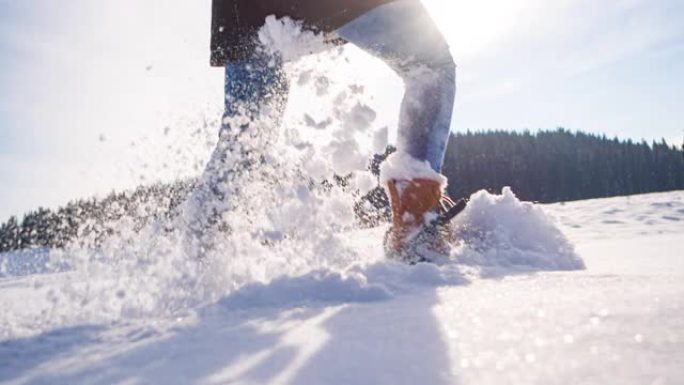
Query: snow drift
point(500, 233)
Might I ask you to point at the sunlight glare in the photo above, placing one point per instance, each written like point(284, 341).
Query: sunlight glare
point(472, 27)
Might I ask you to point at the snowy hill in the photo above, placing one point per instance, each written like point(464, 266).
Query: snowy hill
point(512, 306)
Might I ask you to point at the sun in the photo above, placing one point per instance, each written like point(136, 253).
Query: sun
point(474, 26)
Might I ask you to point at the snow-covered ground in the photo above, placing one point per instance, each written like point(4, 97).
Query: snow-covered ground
point(292, 296)
point(515, 308)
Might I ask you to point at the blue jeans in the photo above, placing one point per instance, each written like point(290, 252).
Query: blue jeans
point(250, 85)
point(404, 36)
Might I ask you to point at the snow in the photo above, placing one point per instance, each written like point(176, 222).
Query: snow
point(380, 140)
point(586, 292)
point(619, 321)
point(502, 232)
point(25, 262)
point(402, 166)
point(364, 181)
point(287, 38)
point(346, 157)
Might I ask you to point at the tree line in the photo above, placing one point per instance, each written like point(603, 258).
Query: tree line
point(546, 166)
point(91, 219)
point(560, 165)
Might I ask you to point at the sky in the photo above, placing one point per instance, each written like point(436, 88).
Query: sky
point(102, 96)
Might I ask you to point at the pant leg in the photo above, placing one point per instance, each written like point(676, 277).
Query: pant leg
point(253, 88)
point(403, 35)
point(255, 99)
point(256, 93)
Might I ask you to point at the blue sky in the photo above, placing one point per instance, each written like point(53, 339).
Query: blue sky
point(90, 89)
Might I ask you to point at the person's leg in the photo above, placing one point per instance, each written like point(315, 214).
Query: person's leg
point(403, 35)
point(256, 93)
point(255, 97)
point(253, 88)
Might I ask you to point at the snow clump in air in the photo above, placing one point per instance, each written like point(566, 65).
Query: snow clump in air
point(287, 38)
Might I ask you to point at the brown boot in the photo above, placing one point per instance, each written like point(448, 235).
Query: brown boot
point(411, 201)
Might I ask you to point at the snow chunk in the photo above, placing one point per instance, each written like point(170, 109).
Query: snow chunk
point(322, 85)
point(317, 168)
point(500, 233)
point(347, 157)
point(402, 166)
point(289, 40)
point(380, 140)
point(359, 118)
point(364, 182)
